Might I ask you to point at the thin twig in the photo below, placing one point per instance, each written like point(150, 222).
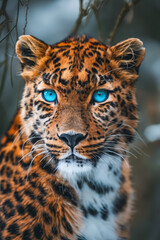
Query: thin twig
point(3, 24)
point(21, 2)
point(17, 17)
point(127, 6)
point(16, 24)
point(26, 17)
point(96, 7)
point(4, 72)
point(3, 7)
point(82, 13)
point(7, 33)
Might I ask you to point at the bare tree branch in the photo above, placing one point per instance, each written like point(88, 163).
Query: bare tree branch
point(3, 7)
point(4, 72)
point(5, 23)
point(96, 7)
point(26, 17)
point(8, 33)
point(17, 17)
point(92, 6)
point(82, 13)
point(127, 6)
point(16, 26)
point(6, 29)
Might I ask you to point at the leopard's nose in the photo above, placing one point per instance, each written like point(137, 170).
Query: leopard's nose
point(72, 139)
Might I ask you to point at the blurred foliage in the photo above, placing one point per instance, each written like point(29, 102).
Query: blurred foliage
point(113, 20)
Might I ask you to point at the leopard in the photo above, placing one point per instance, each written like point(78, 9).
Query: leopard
point(64, 160)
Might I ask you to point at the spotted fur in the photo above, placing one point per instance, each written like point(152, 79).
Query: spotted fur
point(50, 190)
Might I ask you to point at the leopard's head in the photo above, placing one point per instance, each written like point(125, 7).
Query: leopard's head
point(79, 100)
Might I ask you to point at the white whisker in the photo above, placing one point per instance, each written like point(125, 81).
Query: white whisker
point(30, 165)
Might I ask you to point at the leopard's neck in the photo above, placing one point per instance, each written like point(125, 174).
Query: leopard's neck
point(98, 192)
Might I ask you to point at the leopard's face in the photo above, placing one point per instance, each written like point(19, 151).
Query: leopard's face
point(79, 99)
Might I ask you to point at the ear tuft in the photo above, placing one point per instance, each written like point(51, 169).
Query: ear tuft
point(129, 53)
point(29, 50)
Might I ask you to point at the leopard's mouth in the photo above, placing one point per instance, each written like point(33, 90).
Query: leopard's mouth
point(75, 158)
point(74, 164)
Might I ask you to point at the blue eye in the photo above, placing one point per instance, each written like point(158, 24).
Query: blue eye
point(49, 95)
point(100, 95)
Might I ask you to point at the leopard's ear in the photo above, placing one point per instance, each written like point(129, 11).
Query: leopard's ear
point(128, 54)
point(30, 52)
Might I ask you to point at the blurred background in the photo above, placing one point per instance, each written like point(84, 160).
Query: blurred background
point(54, 20)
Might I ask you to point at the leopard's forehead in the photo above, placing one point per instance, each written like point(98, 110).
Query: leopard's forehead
point(78, 54)
point(79, 64)
point(82, 46)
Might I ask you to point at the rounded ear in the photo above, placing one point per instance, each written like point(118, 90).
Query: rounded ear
point(129, 53)
point(29, 51)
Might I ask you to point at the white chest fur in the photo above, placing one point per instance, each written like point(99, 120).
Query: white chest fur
point(97, 191)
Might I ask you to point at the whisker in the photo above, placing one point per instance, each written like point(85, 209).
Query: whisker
point(138, 135)
point(25, 156)
point(19, 135)
point(44, 157)
point(29, 169)
point(48, 162)
point(30, 165)
point(28, 140)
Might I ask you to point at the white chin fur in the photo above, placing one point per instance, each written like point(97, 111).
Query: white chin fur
point(73, 168)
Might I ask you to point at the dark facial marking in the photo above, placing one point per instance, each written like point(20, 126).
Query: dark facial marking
point(34, 137)
point(54, 230)
point(2, 224)
point(104, 212)
point(13, 229)
point(31, 210)
point(120, 203)
point(26, 235)
point(20, 209)
point(5, 187)
point(65, 192)
point(46, 217)
point(8, 209)
point(38, 231)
